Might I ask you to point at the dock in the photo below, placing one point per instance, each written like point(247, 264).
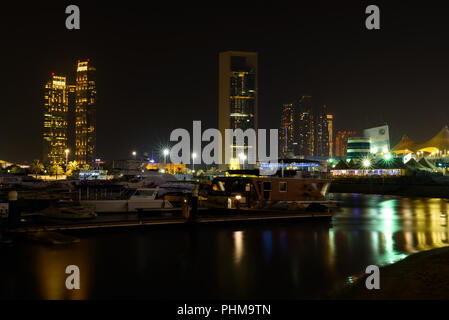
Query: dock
point(126, 220)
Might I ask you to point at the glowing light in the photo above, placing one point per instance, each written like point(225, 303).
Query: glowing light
point(387, 156)
point(366, 163)
point(166, 152)
point(238, 197)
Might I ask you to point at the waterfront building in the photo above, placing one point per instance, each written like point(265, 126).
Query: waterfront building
point(85, 113)
point(55, 120)
point(237, 96)
point(341, 142)
point(322, 133)
point(171, 168)
point(306, 132)
point(358, 147)
point(287, 130)
point(330, 127)
point(379, 139)
point(435, 147)
point(404, 146)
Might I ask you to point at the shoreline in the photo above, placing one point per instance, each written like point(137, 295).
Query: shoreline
point(396, 188)
point(420, 276)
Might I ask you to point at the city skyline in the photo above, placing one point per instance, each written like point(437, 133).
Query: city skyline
point(368, 81)
point(69, 115)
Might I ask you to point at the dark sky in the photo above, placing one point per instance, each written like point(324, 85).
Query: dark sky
point(157, 66)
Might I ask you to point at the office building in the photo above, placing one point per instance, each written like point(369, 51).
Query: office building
point(287, 130)
point(341, 142)
point(321, 133)
point(380, 139)
point(306, 128)
point(237, 96)
point(55, 120)
point(358, 147)
point(85, 113)
point(330, 127)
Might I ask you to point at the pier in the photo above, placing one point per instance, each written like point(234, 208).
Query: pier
point(204, 216)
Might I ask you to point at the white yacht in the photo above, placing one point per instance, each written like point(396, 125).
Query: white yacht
point(141, 199)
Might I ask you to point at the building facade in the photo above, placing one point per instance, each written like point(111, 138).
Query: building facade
point(306, 127)
point(341, 142)
point(322, 133)
point(55, 120)
point(358, 147)
point(237, 96)
point(85, 113)
point(380, 139)
point(287, 130)
point(330, 127)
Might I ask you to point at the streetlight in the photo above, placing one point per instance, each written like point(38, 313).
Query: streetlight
point(193, 161)
point(165, 152)
point(66, 156)
point(366, 163)
point(242, 156)
point(134, 153)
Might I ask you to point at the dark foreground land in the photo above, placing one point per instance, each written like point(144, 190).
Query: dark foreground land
point(421, 276)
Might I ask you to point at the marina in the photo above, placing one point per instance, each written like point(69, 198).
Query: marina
point(297, 259)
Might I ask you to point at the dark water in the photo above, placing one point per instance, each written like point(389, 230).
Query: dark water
point(264, 260)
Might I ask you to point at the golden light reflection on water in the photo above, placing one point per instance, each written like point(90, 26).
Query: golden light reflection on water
point(238, 246)
point(51, 263)
point(369, 230)
point(399, 226)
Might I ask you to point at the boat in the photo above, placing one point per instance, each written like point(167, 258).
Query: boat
point(292, 193)
point(113, 198)
point(67, 210)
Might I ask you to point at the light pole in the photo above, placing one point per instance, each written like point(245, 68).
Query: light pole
point(165, 152)
point(66, 157)
point(193, 161)
point(242, 156)
point(134, 153)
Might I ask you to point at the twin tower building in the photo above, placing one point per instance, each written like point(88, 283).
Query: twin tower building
point(69, 122)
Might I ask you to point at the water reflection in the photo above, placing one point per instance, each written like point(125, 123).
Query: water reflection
point(267, 260)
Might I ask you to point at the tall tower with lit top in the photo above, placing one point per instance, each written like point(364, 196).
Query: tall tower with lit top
point(55, 120)
point(85, 112)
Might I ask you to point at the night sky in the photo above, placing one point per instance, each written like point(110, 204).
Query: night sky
point(157, 67)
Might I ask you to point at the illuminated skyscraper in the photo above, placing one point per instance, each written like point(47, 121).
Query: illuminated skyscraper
point(341, 142)
point(85, 113)
point(287, 130)
point(55, 120)
point(322, 133)
point(237, 95)
point(330, 127)
point(306, 127)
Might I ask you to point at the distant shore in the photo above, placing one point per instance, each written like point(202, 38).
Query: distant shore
point(421, 276)
point(435, 187)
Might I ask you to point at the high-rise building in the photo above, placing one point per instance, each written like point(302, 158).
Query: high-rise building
point(321, 133)
point(306, 129)
point(330, 127)
point(237, 95)
point(85, 113)
point(71, 119)
point(358, 147)
point(341, 142)
point(55, 120)
point(287, 130)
